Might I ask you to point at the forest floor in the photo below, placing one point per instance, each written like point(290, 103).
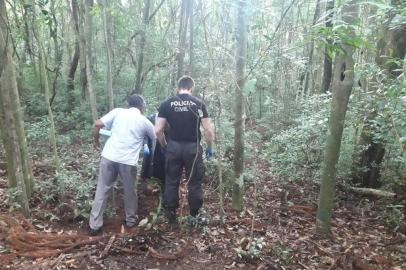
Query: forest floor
point(276, 230)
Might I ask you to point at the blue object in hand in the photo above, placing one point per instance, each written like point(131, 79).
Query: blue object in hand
point(209, 153)
point(105, 132)
point(146, 150)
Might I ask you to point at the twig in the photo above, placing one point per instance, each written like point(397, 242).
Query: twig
point(129, 251)
point(321, 249)
point(304, 266)
point(180, 254)
point(108, 246)
point(58, 261)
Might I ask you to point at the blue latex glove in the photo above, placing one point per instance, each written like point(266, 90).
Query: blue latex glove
point(209, 153)
point(146, 150)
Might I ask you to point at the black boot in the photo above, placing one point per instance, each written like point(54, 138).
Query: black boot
point(171, 215)
point(194, 212)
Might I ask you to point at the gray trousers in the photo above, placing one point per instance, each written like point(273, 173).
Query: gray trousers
point(107, 176)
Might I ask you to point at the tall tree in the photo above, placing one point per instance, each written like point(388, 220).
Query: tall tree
point(191, 33)
point(79, 10)
point(391, 49)
point(109, 51)
point(309, 63)
point(328, 68)
point(58, 50)
point(36, 29)
point(70, 84)
point(241, 59)
point(343, 78)
point(184, 19)
point(87, 22)
point(11, 120)
point(143, 40)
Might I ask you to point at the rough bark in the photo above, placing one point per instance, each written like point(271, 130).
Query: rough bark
point(11, 121)
point(70, 84)
point(241, 59)
point(143, 40)
point(191, 32)
point(58, 51)
point(184, 19)
point(78, 12)
point(45, 84)
point(309, 65)
point(88, 59)
point(342, 84)
point(109, 53)
point(328, 67)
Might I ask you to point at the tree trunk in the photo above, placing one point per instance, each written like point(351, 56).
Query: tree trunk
point(78, 12)
point(71, 79)
point(391, 46)
point(241, 59)
point(88, 59)
point(309, 65)
point(75, 59)
point(191, 31)
point(343, 78)
point(57, 50)
point(143, 40)
point(28, 37)
point(109, 51)
point(45, 84)
point(184, 18)
point(11, 121)
point(328, 68)
point(89, 34)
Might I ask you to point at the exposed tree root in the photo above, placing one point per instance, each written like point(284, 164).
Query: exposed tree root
point(28, 242)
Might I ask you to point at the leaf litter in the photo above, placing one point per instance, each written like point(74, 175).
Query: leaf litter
point(276, 230)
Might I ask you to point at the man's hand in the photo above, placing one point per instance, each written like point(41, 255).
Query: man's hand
point(209, 152)
point(96, 145)
point(96, 135)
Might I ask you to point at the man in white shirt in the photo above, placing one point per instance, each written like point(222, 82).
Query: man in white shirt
point(120, 156)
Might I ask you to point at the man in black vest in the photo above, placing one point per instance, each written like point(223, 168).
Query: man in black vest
point(154, 165)
point(184, 113)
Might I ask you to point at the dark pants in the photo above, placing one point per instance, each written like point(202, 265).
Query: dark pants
point(188, 156)
point(156, 168)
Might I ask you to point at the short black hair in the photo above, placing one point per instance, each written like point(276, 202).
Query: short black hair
point(136, 101)
point(186, 82)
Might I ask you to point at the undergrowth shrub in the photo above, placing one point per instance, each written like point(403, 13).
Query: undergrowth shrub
point(297, 152)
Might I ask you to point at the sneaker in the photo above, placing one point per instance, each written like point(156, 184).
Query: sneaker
point(95, 232)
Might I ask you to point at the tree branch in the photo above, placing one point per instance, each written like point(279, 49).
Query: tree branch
point(156, 10)
point(271, 39)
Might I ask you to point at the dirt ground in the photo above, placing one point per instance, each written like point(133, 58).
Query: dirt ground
point(276, 230)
